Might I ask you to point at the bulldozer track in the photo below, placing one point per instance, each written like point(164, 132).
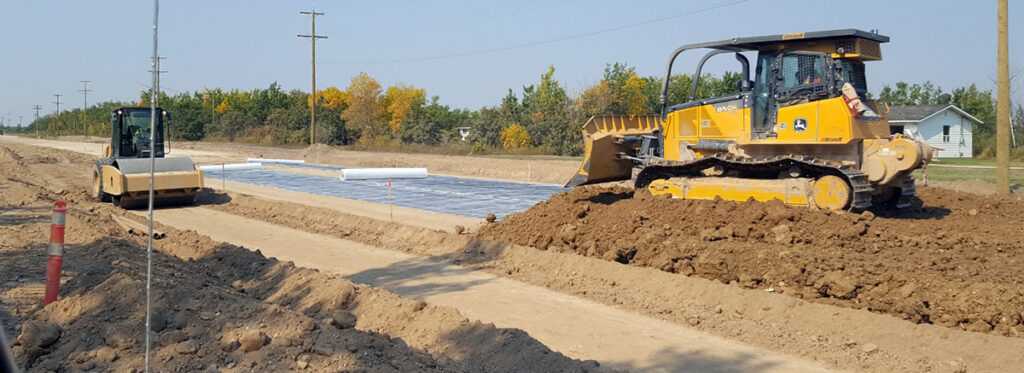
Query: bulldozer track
point(764, 168)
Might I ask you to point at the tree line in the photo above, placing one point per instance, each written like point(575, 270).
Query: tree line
point(540, 118)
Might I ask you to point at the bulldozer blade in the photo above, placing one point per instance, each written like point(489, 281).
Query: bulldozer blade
point(603, 147)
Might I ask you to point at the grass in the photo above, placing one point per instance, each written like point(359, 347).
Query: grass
point(955, 174)
point(973, 162)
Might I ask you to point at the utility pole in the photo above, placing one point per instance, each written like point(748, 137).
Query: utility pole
point(37, 107)
point(85, 103)
point(1003, 106)
point(57, 95)
point(312, 106)
point(158, 72)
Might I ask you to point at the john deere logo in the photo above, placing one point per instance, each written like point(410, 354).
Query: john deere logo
point(799, 124)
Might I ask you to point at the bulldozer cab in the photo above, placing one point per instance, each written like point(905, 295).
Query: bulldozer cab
point(790, 70)
point(130, 131)
point(787, 72)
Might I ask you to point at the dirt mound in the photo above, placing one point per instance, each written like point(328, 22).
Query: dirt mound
point(197, 324)
point(953, 262)
point(314, 150)
point(13, 163)
point(223, 307)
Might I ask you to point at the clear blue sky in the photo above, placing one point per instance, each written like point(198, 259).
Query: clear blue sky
point(49, 46)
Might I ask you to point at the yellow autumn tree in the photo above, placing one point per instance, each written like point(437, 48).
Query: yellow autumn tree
point(222, 107)
point(399, 101)
point(515, 136)
point(331, 97)
point(633, 95)
point(364, 107)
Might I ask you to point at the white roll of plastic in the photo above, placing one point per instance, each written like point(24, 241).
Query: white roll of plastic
point(231, 167)
point(272, 160)
point(382, 173)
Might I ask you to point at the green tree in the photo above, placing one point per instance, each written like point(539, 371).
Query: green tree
point(486, 125)
point(548, 118)
point(914, 94)
point(434, 123)
point(617, 75)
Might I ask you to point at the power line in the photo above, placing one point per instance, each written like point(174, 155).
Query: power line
point(57, 95)
point(312, 105)
point(37, 108)
point(549, 41)
point(157, 79)
point(85, 102)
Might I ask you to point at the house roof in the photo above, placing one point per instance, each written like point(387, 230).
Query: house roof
point(918, 113)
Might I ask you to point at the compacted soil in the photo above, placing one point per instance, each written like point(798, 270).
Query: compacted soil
point(954, 260)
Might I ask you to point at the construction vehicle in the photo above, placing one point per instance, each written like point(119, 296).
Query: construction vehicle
point(802, 131)
point(122, 175)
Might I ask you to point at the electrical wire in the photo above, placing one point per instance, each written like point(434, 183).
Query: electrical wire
point(549, 41)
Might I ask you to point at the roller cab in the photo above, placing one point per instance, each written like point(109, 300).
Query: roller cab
point(122, 176)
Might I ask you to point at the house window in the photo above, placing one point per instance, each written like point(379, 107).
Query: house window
point(945, 133)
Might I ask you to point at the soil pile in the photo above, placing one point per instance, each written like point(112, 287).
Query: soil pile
point(954, 260)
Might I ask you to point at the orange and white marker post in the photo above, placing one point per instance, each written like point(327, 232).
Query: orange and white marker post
point(55, 253)
point(391, 205)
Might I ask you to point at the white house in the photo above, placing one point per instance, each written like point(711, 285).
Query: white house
point(944, 127)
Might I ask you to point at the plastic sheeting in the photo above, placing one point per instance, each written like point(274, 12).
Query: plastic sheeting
point(273, 160)
point(349, 174)
point(444, 194)
point(231, 167)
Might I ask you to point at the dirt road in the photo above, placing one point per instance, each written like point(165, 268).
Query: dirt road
point(578, 328)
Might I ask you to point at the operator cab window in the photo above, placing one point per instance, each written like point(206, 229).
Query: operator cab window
point(800, 69)
point(138, 123)
point(853, 73)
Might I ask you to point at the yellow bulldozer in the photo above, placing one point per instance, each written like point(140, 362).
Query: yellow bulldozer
point(122, 175)
point(802, 131)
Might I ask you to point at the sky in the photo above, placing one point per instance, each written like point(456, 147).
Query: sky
point(469, 53)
